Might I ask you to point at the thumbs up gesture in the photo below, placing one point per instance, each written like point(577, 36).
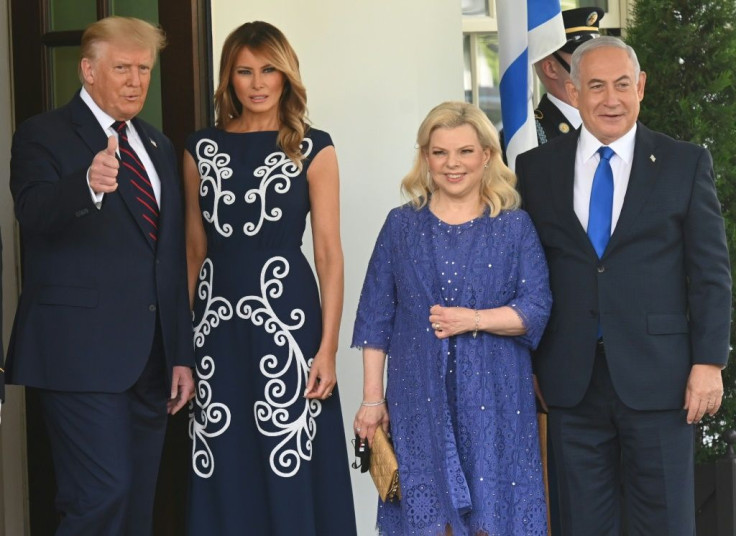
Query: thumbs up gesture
point(103, 173)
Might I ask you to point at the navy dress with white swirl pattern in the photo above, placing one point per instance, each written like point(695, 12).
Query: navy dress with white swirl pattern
point(265, 460)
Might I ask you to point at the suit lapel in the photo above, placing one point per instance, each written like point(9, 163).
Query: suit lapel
point(563, 190)
point(156, 153)
point(87, 127)
point(153, 150)
point(644, 174)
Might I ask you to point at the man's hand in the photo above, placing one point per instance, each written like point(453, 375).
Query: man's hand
point(103, 173)
point(182, 389)
point(704, 392)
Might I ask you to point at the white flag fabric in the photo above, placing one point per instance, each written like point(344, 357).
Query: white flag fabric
point(528, 30)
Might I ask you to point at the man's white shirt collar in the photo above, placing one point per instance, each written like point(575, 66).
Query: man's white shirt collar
point(570, 112)
point(623, 147)
point(103, 119)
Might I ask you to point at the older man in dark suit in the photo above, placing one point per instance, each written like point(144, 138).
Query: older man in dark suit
point(639, 331)
point(103, 329)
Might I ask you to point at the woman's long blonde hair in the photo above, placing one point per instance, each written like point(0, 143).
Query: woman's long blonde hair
point(263, 38)
point(498, 184)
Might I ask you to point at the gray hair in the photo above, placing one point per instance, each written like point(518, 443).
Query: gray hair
point(600, 42)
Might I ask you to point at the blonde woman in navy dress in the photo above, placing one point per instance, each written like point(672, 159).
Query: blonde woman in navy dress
point(269, 455)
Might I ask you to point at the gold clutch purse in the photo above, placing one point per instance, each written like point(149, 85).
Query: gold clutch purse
point(384, 468)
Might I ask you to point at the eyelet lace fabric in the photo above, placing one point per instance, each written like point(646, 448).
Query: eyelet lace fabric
point(462, 410)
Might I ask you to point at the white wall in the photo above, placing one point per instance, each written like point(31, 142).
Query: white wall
point(373, 69)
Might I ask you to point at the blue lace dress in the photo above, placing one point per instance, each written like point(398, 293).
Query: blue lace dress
point(462, 409)
point(265, 460)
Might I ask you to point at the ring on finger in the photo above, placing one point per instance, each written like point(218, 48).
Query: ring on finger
point(436, 326)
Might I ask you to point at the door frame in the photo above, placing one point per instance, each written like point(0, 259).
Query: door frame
point(186, 88)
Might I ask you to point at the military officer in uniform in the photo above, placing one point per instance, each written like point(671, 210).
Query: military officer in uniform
point(555, 115)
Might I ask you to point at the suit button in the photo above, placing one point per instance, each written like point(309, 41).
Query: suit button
point(601, 269)
point(152, 308)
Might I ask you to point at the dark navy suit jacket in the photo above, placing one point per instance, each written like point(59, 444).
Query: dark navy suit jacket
point(662, 288)
point(93, 287)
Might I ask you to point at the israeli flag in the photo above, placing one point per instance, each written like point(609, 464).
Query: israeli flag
point(528, 30)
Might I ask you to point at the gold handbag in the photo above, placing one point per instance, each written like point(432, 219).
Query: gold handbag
point(384, 468)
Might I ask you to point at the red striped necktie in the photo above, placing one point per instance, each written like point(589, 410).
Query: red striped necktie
point(135, 172)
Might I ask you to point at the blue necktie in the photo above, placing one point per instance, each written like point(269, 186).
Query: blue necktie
point(601, 203)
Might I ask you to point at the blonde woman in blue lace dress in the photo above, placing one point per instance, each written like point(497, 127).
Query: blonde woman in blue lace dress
point(456, 296)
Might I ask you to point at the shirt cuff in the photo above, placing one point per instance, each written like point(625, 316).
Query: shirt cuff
point(96, 197)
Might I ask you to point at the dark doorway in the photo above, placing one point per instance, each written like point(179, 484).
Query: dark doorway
point(45, 42)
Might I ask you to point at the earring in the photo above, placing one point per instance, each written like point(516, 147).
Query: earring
point(485, 165)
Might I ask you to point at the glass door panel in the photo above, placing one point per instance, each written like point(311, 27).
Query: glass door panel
point(482, 70)
point(475, 8)
point(71, 14)
point(63, 62)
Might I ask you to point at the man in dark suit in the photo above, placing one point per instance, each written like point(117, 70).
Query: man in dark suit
point(103, 329)
point(639, 329)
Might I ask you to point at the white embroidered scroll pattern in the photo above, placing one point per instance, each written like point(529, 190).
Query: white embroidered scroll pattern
point(283, 413)
point(276, 173)
point(207, 419)
point(213, 170)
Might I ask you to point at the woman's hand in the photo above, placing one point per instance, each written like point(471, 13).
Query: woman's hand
point(449, 321)
point(368, 419)
point(322, 377)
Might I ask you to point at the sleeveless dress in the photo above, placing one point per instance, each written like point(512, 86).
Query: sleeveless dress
point(265, 460)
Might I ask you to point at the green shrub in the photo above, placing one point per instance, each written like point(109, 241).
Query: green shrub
point(688, 50)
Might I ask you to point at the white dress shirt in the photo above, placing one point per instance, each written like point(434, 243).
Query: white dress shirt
point(135, 141)
point(570, 112)
point(586, 162)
